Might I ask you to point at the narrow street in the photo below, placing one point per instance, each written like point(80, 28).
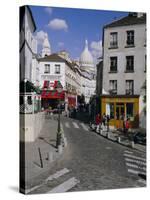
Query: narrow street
point(91, 162)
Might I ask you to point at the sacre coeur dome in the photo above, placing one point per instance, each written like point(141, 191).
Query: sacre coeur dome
point(86, 56)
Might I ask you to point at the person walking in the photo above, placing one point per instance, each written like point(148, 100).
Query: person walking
point(127, 125)
point(98, 122)
point(104, 120)
point(107, 119)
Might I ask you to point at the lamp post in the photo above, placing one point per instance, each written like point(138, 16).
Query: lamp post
point(58, 139)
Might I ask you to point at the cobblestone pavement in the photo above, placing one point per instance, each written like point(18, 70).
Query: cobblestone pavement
point(91, 162)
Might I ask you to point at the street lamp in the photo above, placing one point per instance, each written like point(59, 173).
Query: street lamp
point(58, 139)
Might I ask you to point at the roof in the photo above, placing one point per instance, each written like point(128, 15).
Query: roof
point(128, 20)
point(53, 58)
point(56, 58)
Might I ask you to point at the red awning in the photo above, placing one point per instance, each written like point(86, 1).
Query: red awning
point(53, 94)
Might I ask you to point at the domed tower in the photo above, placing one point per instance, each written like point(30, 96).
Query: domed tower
point(46, 46)
point(86, 59)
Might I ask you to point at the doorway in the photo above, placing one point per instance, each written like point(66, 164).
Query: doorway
point(120, 112)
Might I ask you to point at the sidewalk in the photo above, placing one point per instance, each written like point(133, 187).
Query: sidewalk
point(121, 138)
point(41, 154)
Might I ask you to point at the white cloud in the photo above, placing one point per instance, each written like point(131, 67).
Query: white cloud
point(96, 48)
point(40, 37)
point(58, 24)
point(48, 10)
point(60, 44)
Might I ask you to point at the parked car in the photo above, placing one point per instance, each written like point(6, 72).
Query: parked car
point(140, 138)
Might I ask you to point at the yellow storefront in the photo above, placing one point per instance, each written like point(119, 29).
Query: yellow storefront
point(120, 106)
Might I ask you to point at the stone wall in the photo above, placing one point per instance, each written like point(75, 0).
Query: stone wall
point(31, 126)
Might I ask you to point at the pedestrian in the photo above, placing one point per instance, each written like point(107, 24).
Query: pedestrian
point(98, 122)
point(104, 120)
point(107, 119)
point(127, 125)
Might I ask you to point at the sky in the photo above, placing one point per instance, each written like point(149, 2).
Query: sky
point(68, 28)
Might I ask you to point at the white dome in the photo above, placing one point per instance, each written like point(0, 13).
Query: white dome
point(86, 56)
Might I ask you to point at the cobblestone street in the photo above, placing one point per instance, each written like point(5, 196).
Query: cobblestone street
point(91, 162)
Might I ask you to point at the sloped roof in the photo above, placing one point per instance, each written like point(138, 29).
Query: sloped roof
point(128, 20)
point(53, 58)
point(56, 58)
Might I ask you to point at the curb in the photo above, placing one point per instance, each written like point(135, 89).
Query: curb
point(117, 139)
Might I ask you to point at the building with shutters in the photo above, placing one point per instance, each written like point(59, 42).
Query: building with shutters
point(124, 70)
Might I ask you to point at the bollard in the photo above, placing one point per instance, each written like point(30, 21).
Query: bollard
point(60, 149)
point(119, 139)
point(41, 161)
point(65, 142)
point(132, 144)
point(50, 156)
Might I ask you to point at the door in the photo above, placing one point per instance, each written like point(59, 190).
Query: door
point(120, 111)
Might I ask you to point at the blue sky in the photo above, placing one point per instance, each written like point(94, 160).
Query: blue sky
point(68, 28)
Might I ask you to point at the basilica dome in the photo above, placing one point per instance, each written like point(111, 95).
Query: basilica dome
point(86, 57)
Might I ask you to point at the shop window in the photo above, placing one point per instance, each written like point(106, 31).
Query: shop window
point(29, 100)
point(110, 110)
point(129, 110)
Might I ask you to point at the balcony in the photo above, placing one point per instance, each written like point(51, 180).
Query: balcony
point(113, 91)
point(129, 92)
point(129, 44)
point(113, 69)
point(113, 45)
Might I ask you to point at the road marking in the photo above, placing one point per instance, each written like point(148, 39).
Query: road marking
point(135, 166)
point(54, 176)
point(135, 161)
point(58, 174)
point(136, 172)
point(84, 126)
point(75, 125)
point(67, 125)
point(126, 151)
point(136, 157)
point(64, 187)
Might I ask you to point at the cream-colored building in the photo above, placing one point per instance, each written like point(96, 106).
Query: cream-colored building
point(124, 68)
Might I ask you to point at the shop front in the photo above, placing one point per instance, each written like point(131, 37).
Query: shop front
point(119, 108)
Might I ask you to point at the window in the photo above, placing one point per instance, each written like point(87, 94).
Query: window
point(129, 87)
point(110, 110)
point(129, 110)
point(113, 86)
point(129, 63)
point(47, 69)
point(113, 40)
point(113, 64)
point(57, 69)
point(130, 38)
